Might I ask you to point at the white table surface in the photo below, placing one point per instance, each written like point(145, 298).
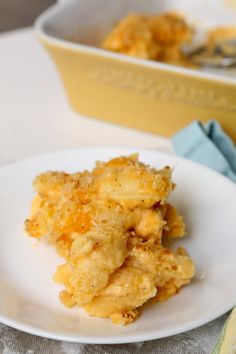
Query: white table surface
point(34, 112)
point(36, 118)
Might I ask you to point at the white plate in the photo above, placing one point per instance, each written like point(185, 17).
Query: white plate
point(29, 297)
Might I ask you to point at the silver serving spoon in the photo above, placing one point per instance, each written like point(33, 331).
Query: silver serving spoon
point(222, 55)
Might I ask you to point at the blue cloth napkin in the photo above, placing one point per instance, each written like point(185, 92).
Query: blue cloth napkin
point(207, 144)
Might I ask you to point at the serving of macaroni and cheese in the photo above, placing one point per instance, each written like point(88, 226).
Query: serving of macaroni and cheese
point(110, 226)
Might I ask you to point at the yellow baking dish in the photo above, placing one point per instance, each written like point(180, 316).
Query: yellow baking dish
point(137, 93)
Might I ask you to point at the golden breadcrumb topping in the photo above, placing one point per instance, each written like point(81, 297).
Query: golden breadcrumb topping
point(155, 37)
point(109, 225)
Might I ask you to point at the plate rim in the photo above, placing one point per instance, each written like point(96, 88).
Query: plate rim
point(113, 340)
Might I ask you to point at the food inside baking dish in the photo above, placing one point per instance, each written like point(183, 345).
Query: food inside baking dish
point(166, 36)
